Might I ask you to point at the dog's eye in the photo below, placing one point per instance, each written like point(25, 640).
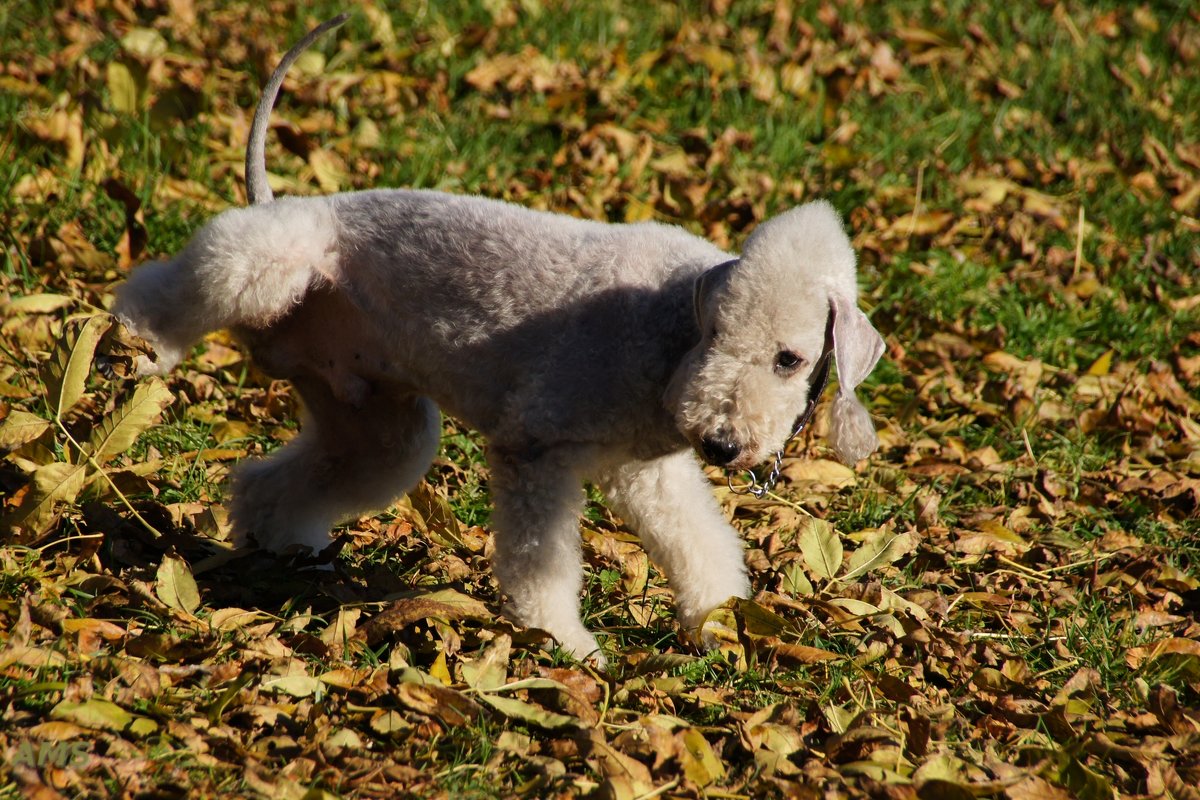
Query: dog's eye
point(786, 361)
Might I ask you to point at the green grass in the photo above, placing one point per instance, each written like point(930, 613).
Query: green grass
point(1076, 107)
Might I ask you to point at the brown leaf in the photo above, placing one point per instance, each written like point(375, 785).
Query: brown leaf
point(451, 707)
point(446, 604)
point(799, 653)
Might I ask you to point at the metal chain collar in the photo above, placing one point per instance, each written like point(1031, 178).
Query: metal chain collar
point(753, 485)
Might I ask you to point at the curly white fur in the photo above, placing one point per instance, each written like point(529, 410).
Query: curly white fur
point(580, 350)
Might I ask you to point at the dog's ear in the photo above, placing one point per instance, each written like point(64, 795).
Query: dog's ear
point(704, 286)
point(857, 347)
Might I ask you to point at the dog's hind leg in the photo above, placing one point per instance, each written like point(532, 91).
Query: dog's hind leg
point(247, 267)
point(347, 460)
point(538, 558)
point(670, 505)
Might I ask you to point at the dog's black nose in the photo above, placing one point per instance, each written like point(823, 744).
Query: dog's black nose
point(718, 452)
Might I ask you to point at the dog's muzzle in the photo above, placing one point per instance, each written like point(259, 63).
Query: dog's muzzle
point(820, 379)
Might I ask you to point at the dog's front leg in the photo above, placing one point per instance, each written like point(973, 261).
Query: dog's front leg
point(670, 505)
point(538, 560)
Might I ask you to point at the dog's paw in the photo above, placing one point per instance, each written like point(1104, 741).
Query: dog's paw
point(570, 636)
point(145, 366)
point(586, 649)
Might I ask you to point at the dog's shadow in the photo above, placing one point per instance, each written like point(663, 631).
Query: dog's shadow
point(281, 586)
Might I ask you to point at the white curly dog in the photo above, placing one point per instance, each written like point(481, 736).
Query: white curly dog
point(580, 350)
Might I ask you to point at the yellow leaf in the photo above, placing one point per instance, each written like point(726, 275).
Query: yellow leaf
point(491, 72)
point(920, 37)
point(528, 712)
point(839, 156)
point(295, 685)
point(822, 471)
point(11, 390)
point(1184, 654)
point(123, 92)
point(95, 713)
point(232, 619)
point(458, 605)
point(674, 163)
point(796, 80)
point(718, 61)
point(117, 431)
point(144, 43)
point(341, 630)
point(452, 707)
point(761, 621)
point(998, 530)
point(310, 64)
point(638, 211)
point(175, 585)
point(802, 654)
point(890, 601)
point(625, 777)
point(382, 32)
point(859, 608)
point(435, 518)
point(1041, 204)
point(329, 173)
point(57, 731)
point(879, 549)
point(1102, 365)
point(344, 678)
point(1084, 287)
point(763, 82)
point(1187, 198)
point(100, 627)
point(439, 670)
point(342, 739)
point(65, 374)
point(490, 670)
point(366, 134)
point(921, 224)
point(839, 717)
point(719, 627)
point(943, 768)
point(20, 428)
point(52, 484)
point(27, 656)
point(142, 726)
point(864, 610)
point(37, 304)
point(795, 582)
point(989, 192)
point(385, 722)
point(700, 764)
point(445, 604)
point(820, 546)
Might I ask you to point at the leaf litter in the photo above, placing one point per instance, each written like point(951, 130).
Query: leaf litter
point(1001, 602)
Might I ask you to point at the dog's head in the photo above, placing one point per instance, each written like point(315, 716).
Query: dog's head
point(765, 321)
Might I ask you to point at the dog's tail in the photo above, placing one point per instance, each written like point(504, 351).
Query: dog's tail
point(257, 188)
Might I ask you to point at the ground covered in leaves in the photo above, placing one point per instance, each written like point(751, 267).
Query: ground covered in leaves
point(1001, 602)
